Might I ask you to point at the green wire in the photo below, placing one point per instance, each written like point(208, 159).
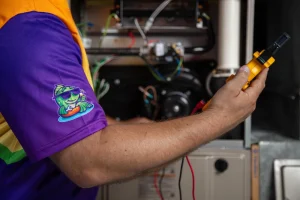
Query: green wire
point(106, 27)
point(154, 74)
point(170, 76)
point(150, 69)
point(177, 68)
point(81, 28)
point(99, 90)
point(97, 68)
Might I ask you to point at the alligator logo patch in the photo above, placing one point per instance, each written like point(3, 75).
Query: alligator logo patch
point(72, 102)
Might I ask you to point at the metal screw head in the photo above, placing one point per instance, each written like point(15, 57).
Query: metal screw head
point(117, 81)
point(176, 108)
point(163, 92)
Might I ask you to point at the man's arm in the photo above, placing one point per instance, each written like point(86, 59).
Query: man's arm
point(123, 151)
point(41, 90)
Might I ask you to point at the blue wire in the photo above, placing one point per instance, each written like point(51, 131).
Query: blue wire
point(160, 75)
point(146, 101)
point(90, 24)
point(157, 72)
point(179, 70)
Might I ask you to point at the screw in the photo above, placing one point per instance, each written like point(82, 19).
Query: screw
point(176, 108)
point(163, 92)
point(117, 82)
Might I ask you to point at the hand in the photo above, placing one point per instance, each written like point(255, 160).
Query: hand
point(234, 105)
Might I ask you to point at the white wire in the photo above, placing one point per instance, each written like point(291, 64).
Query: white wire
point(104, 92)
point(155, 14)
point(102, 84)
point(140, 30)
point(160, 8)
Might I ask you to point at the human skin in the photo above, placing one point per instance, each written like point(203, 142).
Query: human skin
point(125, 150)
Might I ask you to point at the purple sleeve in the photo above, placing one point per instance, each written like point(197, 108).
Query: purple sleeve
point(45, 96)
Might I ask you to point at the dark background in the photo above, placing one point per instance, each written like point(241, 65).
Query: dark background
point(278, 106)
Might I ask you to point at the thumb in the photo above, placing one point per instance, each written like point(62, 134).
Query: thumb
point(240, 78)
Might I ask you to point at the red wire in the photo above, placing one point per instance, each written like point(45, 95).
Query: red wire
point(199, 106)
point(131, 35)
point(156, 186)
point(193, 176)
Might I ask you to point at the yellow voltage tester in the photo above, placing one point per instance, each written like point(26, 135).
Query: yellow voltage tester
point(260, 61)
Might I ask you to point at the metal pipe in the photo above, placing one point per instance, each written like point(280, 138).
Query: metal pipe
point(249, 52)
point(229, 34)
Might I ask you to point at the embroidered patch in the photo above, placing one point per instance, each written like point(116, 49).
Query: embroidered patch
point(72, 102)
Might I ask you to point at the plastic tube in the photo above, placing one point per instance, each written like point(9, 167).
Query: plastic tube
point(229, 34)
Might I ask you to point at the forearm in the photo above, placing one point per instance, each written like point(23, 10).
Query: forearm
point(123, 151)
point(147, 146)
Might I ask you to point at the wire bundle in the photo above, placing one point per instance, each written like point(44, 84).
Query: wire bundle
point(150, 99)
point(158, 188)
point(158, 76)
point(101, 87)
point(199, 106)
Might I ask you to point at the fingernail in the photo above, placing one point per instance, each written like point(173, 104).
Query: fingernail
point(245, 69)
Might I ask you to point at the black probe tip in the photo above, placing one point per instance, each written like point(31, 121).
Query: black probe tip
point(282, 39)
point(273, 49)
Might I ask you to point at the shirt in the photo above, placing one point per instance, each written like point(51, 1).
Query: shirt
point(48, 104)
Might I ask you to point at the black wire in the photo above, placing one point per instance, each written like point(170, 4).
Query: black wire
point(179, 181)
point(160, 182)
point(211, 34)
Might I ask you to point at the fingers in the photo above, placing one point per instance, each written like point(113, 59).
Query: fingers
point(258, 84)
point(240, 79)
